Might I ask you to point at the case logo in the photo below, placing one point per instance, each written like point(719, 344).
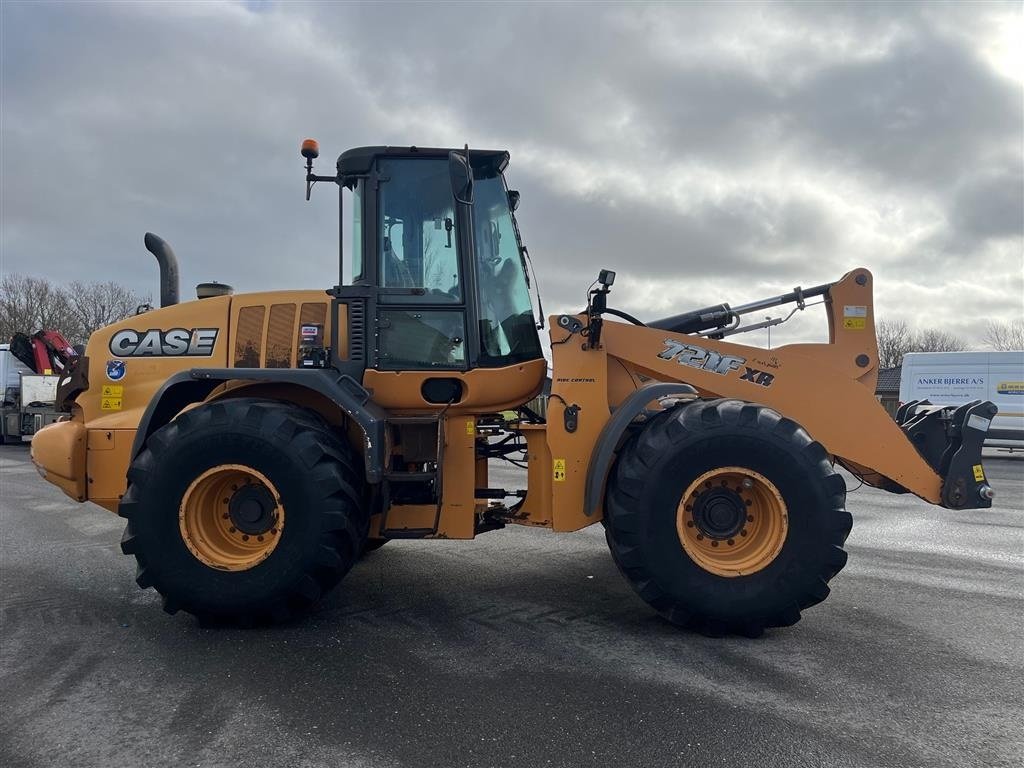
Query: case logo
point(177, 342)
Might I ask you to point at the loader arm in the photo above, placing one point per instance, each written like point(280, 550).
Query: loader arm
point(828, 388)
point(806, 386)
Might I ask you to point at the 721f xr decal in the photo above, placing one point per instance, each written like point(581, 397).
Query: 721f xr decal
point(709, 360)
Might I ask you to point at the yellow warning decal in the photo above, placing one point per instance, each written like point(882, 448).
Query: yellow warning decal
point(110, 404)
point(979, 473)
point(855, 317)
point(112, 390)
point(559, 470)
point(470, 427)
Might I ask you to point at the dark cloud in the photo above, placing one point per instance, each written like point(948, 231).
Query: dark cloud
point(990, 204)
point(919, 118)
point(708, 152)
point(740, 236)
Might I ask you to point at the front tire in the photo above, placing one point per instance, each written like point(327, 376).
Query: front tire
point(727, 517)
point(244, 511)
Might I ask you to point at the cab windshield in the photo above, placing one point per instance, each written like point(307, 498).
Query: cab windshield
point(508, 330)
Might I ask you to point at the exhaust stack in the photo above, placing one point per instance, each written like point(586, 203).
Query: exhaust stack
point(168, 268)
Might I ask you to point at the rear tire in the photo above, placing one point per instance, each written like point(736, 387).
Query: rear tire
point(294, 495)
point(664, 490)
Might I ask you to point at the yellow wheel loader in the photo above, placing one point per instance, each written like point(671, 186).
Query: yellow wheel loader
point(259, 444)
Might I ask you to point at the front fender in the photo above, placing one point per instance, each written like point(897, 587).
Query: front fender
point(615, 430)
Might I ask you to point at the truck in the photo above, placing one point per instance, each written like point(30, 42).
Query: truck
point(11, 370)
point(30, 368)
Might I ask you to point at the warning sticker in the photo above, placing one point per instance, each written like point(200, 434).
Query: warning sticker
point(110, 404)
point(112, 390)
point(470, 427)
point(979, 473)
point(855, 317)
point(559, 470)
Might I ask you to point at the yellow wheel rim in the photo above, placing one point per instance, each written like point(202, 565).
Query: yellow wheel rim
point(231, 517)
point(732, 521)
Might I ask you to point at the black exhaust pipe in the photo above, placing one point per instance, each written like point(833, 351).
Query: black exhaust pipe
point(168, 268)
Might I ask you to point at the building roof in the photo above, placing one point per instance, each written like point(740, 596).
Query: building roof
point(889, 380)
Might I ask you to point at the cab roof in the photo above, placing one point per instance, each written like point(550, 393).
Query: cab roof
point(357, 161)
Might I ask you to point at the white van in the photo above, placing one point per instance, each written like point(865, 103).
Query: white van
point(952, 378)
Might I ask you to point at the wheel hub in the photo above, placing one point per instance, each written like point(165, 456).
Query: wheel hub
point(719, 513)
point(251, 509)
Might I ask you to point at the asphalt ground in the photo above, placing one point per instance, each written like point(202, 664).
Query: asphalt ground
point(522, 648)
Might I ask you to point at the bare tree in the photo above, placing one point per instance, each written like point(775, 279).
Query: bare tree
point(29, 304)
point(896, 338)
point(95, 305)
point(934, 340)
point(1005, 337)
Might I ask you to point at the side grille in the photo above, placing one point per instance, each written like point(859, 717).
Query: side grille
point(270, 339)
point(357, 330)
point(280, 336)
point(249, 338)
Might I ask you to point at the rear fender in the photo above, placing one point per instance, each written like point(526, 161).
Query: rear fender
point(321, 386)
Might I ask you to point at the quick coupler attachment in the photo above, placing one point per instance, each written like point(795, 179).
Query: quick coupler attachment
point(950, 439)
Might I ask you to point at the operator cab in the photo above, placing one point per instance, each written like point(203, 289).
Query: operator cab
point(436, 254)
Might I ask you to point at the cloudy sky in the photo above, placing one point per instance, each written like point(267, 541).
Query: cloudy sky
point(706, 152)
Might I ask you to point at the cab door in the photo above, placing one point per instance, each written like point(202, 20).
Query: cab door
point(421, 297)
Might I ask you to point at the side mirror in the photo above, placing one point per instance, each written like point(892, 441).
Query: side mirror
point(513, 200)
point(461, 177)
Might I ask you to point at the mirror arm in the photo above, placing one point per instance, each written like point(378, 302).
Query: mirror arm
point(312, 178)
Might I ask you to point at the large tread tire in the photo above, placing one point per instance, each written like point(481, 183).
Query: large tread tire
point(320, 486)
point(655, 468)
